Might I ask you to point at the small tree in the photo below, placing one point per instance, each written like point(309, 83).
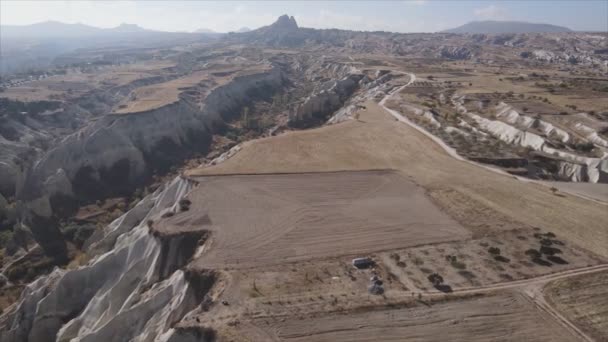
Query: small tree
point(494, 250)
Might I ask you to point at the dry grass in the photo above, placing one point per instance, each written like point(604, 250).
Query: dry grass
point(271, 219)
point(74, 83)
point(378, 141)
point(157, 95)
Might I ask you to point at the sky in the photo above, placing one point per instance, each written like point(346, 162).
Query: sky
point(224, 16)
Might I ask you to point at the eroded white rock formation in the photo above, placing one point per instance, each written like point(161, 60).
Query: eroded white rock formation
point(117, 150)
point(571, 167)
point(511, 116)
point(129, 291)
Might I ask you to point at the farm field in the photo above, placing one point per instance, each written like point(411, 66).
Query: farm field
point(293, 217)
point(584, 301)
point(376, 140)
point(501, 257)
point(500, 317)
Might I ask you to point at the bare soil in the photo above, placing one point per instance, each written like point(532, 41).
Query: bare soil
point(470, 263)
point(584, 301)
point(505, 317)
point(270, 219)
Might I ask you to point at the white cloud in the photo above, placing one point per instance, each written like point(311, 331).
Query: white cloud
point(492, 12)
point(417, 2)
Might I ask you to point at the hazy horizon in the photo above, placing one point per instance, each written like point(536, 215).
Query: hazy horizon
point(402, 16)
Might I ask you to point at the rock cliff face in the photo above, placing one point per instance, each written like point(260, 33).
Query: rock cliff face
point(134, 289)
point(22, 138)
point(325, 100)
point(29, 129)
point(514, 129)
point(117, 152)
point(456, 52)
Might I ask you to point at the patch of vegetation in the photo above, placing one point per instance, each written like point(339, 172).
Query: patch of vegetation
point(546, 242)
point(455, 263)
point(533, 253)
point(437, 281)
point(467, 275)
point(184, 204)
point(550, 250)
point(78, 233)
point(167, 214)
point(501, 258)
point(494, 250)
point(557, 260)
point(541, 262)
point(435, 278)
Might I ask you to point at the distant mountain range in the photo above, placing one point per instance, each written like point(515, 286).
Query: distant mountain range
point(506, 27)
point(49, 29)
point(55, 29)
point(37, 45)
point(204, 30)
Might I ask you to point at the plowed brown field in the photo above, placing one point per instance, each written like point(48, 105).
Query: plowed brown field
point(272, 219)
point(506, 317)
